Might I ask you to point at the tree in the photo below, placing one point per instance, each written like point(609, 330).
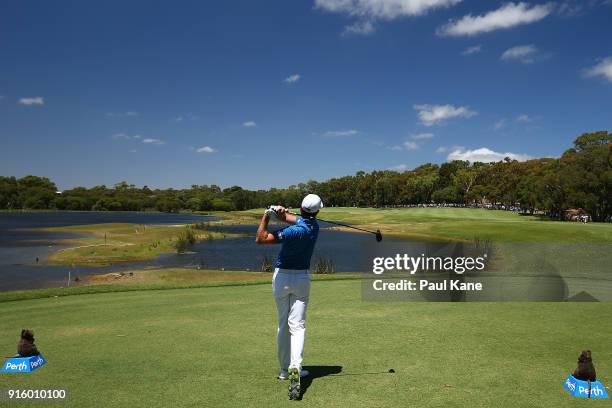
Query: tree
point(36, 192)
point(9, 193)
point(580, 178)
point(588, 170)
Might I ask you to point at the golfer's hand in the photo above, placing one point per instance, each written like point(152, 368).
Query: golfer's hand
point(281, 212)
point(276, 212)
point(270, 213)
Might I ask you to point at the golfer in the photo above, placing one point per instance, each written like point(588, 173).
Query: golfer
point(291, 281)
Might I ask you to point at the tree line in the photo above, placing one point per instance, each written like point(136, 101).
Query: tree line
point(580, 179)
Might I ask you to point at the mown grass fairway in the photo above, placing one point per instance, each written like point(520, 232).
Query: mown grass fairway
point(216, 347)
point(466, 224)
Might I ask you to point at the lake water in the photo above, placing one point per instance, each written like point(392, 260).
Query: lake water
point(20, 245)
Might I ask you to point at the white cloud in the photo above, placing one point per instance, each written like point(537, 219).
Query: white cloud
point(602, 69)
point(484, 155)
point(435, 114)
point(249, 123)
point(182, 118)
point(475, 49)
point(576, 8)
point(383, 9)
point(570, 9)
point(410, 145)
point(205, 149)
point(507, 16)
point(499, 124)
point(37, 100)
point(444, 149)
point(292, 78)
point(422, 136)
point(153, 141)
point(337, 133)
point(122, 114)
point(524, 118)
point(523, 53)
point(399, 167)
point(359, 28)
point(125, 136)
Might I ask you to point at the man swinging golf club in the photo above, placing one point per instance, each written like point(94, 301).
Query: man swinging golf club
point(291, 282)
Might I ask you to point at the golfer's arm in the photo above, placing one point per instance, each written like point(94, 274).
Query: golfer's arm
point(263, 236)
point(290, 218)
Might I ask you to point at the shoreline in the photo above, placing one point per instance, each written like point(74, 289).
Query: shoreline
point(161, 279)
point(110, 243)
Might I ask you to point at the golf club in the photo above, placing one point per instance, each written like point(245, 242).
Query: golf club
point(376, 233)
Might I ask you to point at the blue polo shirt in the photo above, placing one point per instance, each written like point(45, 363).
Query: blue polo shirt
point(298, 244)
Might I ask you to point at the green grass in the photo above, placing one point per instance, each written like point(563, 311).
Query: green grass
point(104, 244)
point(465, 224)
point(157, 279)
point(216, 347)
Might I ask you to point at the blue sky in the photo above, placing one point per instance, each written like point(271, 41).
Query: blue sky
point(271, 93)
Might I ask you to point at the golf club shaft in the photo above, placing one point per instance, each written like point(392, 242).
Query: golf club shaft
point(340, 224)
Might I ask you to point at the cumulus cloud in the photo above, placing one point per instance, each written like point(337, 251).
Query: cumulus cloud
point(37, 100)
point(475, 49)
point(602, 69)
point(249, 124)
point(205, 149)
point(484, 155)
point(337, 133)
point(153, 141)
point(422, 136)
point(507, 16)
point(359, 28)
point(430, 115)
point(383, 9)
point(523, 53)
point(122, 114)
point(291, 79)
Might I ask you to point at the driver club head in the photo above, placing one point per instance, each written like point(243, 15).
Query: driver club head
point(378, 236)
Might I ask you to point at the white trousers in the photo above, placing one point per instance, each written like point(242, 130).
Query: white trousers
point(291, 289)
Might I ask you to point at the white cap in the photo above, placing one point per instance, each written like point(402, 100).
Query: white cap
point(312, 203)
